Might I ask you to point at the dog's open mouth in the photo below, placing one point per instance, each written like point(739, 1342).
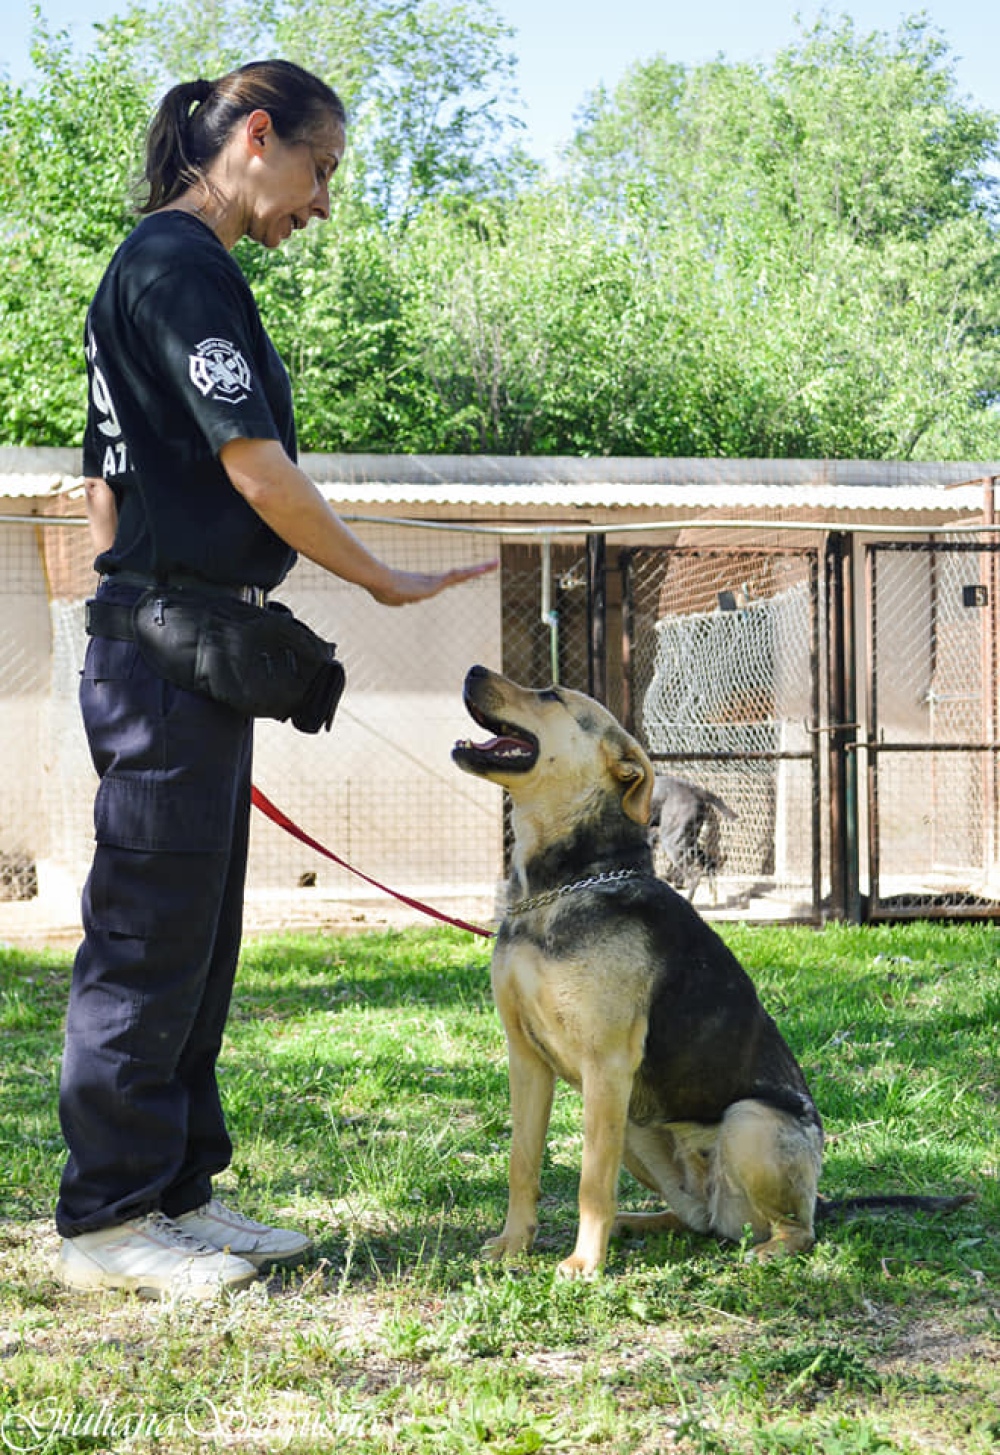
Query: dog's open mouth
point(512, 750)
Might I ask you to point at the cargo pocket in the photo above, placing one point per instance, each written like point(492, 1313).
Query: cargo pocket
point(164, 853)
point(107, 660)
point(160, 812)
point(161, 898)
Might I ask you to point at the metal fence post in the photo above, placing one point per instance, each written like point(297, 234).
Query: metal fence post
point(845, 899)
point(597, 618)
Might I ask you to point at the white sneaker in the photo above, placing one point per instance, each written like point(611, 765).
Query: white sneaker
point(153, 1257)
point(223, 1227)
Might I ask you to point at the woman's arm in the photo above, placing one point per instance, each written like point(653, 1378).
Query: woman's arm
point(289, 502)
point(102, 513)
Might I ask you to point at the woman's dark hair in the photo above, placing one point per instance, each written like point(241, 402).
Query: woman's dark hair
point(196, 119)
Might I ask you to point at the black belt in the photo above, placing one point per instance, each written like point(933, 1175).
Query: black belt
point(257, 595)
point(113, 619)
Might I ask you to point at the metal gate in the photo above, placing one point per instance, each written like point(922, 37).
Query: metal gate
point(931, 739)
point(721, 684)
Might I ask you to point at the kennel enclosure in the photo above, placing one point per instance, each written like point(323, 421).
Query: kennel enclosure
point(814, 642)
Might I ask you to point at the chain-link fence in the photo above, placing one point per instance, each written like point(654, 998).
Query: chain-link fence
point(722, 686)
point(380, 791)
point(714, 651)
point(25, 672)
point(932, 726)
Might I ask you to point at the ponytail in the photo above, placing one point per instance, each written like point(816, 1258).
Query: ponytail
point(172, 163)
point(195, 120)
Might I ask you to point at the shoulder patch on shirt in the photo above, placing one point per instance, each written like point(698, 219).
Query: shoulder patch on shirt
point(219, 371)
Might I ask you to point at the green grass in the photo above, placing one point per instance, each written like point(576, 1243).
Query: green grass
point(365, 1082)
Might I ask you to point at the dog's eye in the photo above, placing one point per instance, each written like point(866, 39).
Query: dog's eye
point(549, 694)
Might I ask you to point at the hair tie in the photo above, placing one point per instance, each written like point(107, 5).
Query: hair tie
point(200, 92)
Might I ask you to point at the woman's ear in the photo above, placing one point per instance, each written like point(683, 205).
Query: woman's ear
point(257, 127)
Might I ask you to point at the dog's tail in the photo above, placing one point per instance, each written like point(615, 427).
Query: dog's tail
point(719, 803)
point(845, 1207)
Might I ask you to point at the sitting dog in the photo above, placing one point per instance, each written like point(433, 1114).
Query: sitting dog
point(684, 827)
point(606, 977)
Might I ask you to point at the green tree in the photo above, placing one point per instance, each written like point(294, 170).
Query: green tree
point(440, 103)
point(531, 327)
point(68, 153)
point(799, 259)
point(429, 86)
point(715, 279)
point(825, 233)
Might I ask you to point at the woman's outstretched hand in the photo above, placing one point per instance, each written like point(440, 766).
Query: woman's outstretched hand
point(402, 588)
point(289, 502)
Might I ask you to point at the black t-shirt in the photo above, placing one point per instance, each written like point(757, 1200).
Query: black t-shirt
point(179, 364)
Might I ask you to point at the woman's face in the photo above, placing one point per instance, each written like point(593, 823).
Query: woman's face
point(289, 182)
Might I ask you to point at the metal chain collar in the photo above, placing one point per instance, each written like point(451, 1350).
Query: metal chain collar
point(613, 876)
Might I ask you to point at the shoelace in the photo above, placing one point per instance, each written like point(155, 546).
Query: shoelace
point(177, 1236)
point(218, 1209)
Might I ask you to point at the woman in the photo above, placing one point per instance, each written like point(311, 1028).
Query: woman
point(189, 456)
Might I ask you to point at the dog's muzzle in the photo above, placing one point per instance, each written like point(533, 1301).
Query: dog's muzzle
point(512, 749)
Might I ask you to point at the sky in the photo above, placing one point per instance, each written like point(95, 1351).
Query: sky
point(568, 47)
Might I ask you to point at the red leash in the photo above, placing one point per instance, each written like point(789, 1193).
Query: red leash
point(268, 809)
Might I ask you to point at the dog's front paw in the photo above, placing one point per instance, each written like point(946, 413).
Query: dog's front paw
point(576, 1266)
point(508, 1244)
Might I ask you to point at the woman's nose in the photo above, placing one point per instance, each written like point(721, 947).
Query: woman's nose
point(321, 202)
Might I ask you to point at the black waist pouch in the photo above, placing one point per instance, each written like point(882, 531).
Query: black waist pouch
point(259, 660)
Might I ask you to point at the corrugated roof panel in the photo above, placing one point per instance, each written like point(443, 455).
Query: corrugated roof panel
point(541, 470)
point(653, 498)
point(560, 481)
point(31, 487)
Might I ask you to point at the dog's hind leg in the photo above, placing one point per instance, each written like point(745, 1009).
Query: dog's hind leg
point(532, 1084)
point(672, 1162)
point(765, 1174)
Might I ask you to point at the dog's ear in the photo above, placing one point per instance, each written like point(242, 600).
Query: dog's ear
point(629, 764)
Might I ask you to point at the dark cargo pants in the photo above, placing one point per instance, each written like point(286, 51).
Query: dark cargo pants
point(162, 916)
